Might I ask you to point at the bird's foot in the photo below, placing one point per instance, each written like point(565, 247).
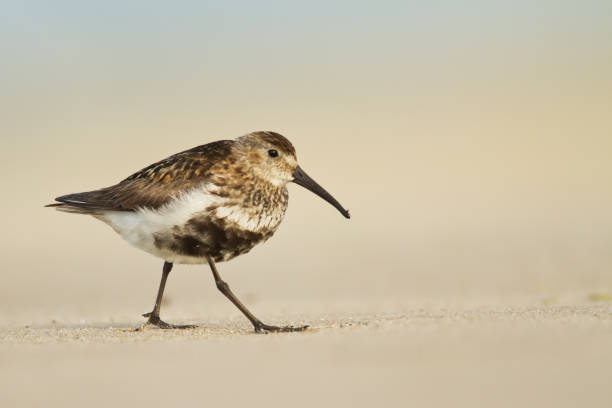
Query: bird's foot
point(265, 329)
point(156, 321)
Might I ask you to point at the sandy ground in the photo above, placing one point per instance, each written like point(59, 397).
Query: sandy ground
point(553, 356)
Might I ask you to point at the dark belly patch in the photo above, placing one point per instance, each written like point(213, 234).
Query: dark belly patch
point(207, 236)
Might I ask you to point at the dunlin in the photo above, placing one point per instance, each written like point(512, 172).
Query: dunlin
point(208, 204)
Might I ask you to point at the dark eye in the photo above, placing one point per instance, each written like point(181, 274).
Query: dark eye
point(273, 153)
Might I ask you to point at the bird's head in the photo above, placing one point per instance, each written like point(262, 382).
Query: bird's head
point(272, 158)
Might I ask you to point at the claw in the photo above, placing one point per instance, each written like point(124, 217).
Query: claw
point(156, 321)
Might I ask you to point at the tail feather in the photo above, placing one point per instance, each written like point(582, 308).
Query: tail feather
point(63, 207)
point(79, 203)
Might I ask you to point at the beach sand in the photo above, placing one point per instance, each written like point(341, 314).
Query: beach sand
point(553, 356)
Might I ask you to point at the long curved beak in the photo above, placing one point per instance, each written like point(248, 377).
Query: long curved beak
point(300, 177)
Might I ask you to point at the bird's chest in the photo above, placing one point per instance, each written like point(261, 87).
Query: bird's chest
point(259, 209)
point(228, 229)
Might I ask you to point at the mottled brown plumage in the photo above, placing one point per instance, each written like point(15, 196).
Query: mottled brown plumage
point(160, 182)
point(155, 185)
point(207, 204)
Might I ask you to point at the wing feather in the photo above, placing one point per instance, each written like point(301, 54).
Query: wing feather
point(153, 186)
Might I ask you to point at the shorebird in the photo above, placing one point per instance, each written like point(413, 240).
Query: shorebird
point(204, 205)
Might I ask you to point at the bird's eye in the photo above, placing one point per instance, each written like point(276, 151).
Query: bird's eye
point(273, 153)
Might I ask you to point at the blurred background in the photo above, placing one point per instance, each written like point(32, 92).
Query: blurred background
point(470, 140)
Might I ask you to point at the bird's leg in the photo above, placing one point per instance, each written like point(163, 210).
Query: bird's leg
point(257, 324)
point(154, 315)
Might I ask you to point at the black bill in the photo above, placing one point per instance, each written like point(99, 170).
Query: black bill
point(300, 177)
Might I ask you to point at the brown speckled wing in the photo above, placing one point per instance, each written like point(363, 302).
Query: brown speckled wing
point(154, 185)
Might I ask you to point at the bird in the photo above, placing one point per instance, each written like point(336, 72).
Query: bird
point(205, 205)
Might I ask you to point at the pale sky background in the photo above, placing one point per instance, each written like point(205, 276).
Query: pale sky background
point(470, 140)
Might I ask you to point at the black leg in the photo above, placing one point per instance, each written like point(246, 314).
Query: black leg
point(257, 324)
point(154, 315)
